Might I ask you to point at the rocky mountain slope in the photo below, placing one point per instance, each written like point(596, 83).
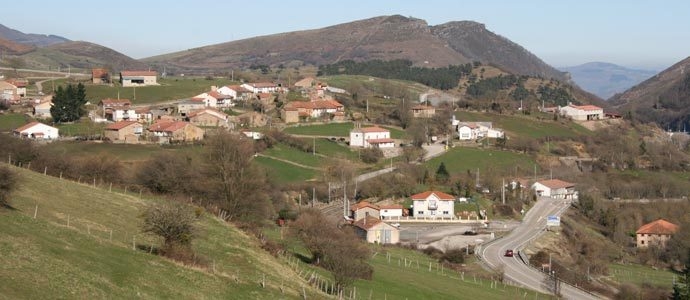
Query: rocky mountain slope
point(663, 99)
point(385, 37)
point(38, 40)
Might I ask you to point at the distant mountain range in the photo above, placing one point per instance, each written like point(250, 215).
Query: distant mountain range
point(663, 98)
point(385, 37)
point(38, 40)
point(606, 79)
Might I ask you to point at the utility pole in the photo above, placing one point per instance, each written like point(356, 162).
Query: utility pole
point(503, 191)
point(313, 148)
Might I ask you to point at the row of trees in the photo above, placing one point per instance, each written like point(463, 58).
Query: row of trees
point(443, 78)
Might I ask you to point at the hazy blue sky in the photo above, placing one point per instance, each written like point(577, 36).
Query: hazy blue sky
point(648, 34)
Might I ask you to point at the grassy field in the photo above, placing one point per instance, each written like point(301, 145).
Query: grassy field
point(9, 122)
point(377, 85)
point(44, 258)
point(125, 152)
point(336, 130)
point(169, 89)
point(283, 172)
point(526, 126)
point(294, 155)
point(462, 159)
point(393, 280)
point(332, 149)
point(637, 274)
point(81, 129)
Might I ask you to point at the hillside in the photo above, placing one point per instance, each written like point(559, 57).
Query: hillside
point(11, 48)
point(606, 79)
point(80, 245)
point(38, 40)
point(663, 99)
point(384, 37)
point(79, 54)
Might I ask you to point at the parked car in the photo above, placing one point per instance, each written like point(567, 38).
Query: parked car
point(509, 253)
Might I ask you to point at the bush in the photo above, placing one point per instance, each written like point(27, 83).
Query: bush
point(455, 255)
point(433, 252)
point(175, 224)
point(8, 183)
point(371, 155)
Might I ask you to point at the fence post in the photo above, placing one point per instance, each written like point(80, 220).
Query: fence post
point(45, 170)
point(134, 242)
point(67, 221)
point(35, 211)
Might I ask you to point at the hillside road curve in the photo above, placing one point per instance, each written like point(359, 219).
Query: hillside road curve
point(532, 226)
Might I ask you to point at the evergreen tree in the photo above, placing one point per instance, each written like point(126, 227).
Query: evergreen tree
point(442, 173)
point(681, 289)
point(68, 103)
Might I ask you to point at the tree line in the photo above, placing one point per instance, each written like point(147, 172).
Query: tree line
point(443, 78)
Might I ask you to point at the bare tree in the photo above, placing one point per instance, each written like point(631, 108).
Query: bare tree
point(174, 223)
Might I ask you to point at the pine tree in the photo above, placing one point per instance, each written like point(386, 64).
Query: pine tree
point(442, 173)
point(681, 289)
point(68, 103)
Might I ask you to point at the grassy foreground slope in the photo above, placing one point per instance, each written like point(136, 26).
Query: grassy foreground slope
point(43, 258)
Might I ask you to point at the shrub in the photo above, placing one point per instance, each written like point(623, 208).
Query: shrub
point(455, 255)
point(371, 155)
point(8, 183)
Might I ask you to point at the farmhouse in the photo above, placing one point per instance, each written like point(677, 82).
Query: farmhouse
point(208, 118)
point(100, 76)
point(42, 110)
point(296, 111)
point(582, 113)
point(373, 230)
point(555, 188)
point(124, 131)
point(423, 111)
point(433, 204)
point(363, 209)
point(190, 105)
point(371, 137)
point(175, 131)
point(656, 233)
point(9, 91)
point(236, 92)
point(262, 87)
point(138, 78)
point(36, 130)
point(476, 130)
point(390, 210)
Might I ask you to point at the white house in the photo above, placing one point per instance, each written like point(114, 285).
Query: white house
point(254, 135)
point(190, 105)
point(208, 99)
point(392, 210)
point(36, 130)
point(123, 113)
point(373, 230)
point(364, 209)
point(371, 137)
point(42, 110)
point(235, 91)
point(582, 112)
point(555, 188)
point(433, 204)
point(477, 130)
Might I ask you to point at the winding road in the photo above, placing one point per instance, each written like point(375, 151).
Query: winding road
point(516, 271)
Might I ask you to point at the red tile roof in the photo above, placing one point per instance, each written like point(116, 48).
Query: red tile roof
point(427, 194)
point(326, 104)
point(139, 73)
point(112, 102)
point(367, 222)
point(168, 126)
point(98, 73)
point(120, 125)
point(238, 89)
point(26, 126)
point(17, 83)
point(556, 183)
point(363, 204)
point(660, 226)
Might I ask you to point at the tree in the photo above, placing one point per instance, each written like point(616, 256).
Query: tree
point(174, 223)
point(8, 183)
point(681, 289)
point(442, 174)
point(371, 155)
point(68, 103)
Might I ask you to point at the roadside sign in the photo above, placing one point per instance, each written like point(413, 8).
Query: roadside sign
point(553, 221)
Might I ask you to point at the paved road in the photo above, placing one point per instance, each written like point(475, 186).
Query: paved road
point(516, 271)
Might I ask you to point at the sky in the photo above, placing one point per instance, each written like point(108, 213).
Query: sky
point(641, 34)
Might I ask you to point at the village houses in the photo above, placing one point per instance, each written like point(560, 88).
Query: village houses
point(208, 117)
point(237, 92)
point(38, 131)
point(262, 87)
point(124, 131)
point(656, 233)
point(476, 130)
point(175, 131)
point(368, 137)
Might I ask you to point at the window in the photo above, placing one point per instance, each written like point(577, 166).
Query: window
point(642, 242)
point(445, 212)
point(421, 212)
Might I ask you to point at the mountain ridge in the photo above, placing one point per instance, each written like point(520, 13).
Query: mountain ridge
point(606, 79)
point(38, 40)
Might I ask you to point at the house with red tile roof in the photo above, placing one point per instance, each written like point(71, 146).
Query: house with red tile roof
point(582, 112)
point(433, 204)
point(656, 233)
point(138, 78)
point(373, 230)
point(364, 209)
point(175, 131)
point(36, 130)
point(555, 188)
point(368, 137)
point(208, 117)
point(124, 131)
point(100, 76)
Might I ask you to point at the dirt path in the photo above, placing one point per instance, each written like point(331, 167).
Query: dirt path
point(289, 162)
